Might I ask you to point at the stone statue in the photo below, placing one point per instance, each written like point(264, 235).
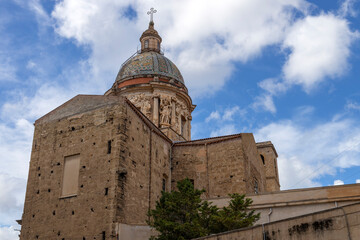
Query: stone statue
point(146, 108)
point(165, 115)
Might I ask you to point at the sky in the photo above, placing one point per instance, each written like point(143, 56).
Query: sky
point(285, 70)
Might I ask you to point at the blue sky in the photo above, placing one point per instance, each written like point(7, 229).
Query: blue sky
point(286, 71)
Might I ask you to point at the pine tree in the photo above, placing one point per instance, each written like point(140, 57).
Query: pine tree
point(181, 214)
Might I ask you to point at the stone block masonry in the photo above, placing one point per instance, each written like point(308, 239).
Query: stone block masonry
point(223, 165)
point(98, 165)
point(333, 224)
point(123, 163)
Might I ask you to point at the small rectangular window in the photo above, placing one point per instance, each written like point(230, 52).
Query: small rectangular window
point(70, 175)
point(164, 184)
point(256, 187)
point(109, 147)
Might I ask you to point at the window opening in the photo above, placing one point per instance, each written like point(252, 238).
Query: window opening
point(109, 147)
point(164, 184)
point(263, 159)
point(256, 187)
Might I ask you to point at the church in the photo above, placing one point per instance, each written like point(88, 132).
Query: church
point(100, 162)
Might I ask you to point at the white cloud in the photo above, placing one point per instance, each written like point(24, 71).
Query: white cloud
point(273, 86)
point(306, 153)
point(225, 115)
point(347, 8)
point(320, 47)
point(15, 146)
point(8, 233)
point(266, 102)
point(351, 105)
point(7, 69)
point(112, 38)
point(338, 182)
point(357, 180)
point(213, 116)
point(226, 129)
point(12, 195)
point(46, 98)
point(230, 112)
point(240, 30)
point(42, 17)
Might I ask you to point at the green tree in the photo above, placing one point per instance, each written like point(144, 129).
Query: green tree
point(236, 215)
point(176, 215)
point(182, 214)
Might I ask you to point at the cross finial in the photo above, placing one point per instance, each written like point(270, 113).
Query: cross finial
point(151, 13)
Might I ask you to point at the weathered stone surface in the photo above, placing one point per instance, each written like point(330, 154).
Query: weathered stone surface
point(221, 166)
point(125, 163)
point(113, 187)
point(333, 224)
point(269, 158)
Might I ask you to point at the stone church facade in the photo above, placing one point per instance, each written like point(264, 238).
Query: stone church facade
point(100, 162)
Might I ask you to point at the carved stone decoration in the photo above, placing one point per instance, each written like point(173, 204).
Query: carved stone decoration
point(164, 110)
point(181, 111)
point(165, 115)
point(146, 108)
point(142, 102)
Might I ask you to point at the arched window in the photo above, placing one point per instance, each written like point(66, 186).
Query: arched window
point(262, 158)
point(158, 45)
point(146, 44)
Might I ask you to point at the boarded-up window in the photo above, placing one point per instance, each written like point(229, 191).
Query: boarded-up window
point(71, 176)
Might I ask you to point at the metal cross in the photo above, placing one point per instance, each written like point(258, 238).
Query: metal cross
point(151, 13)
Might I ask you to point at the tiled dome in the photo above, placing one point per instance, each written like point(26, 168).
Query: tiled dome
point(149, 63)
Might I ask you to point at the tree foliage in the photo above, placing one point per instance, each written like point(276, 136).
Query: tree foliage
point(181, 214)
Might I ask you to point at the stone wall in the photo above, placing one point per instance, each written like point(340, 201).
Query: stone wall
point(124, 165)
point(333, 224)
point(219, 165)
point(144, 163)
point(91, 212)
point(269, 155)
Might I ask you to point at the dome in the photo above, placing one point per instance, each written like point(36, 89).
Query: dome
point(149, 63)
